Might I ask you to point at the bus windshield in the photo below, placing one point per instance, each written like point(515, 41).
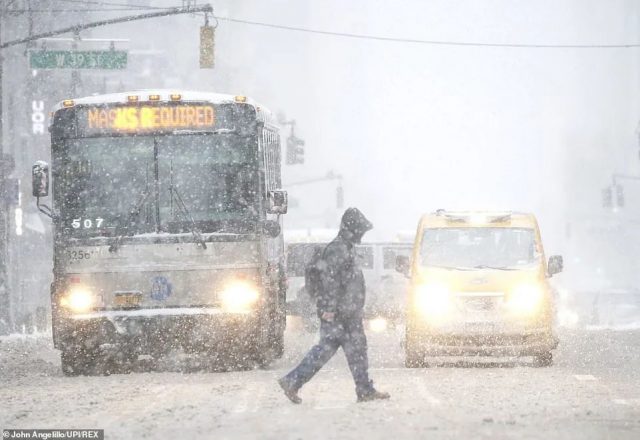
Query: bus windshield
point(478, 248)
point(214, 179)
point(136, 184)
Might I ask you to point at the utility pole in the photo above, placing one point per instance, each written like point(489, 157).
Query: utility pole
point(295, 146)
point(4, 254)
point(95, 24)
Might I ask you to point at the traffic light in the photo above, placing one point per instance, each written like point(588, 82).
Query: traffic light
point(295, 150)
point(619, 196)
point(607, 197)
point(207, 47)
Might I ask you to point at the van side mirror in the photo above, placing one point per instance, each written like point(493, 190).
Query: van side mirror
point(277, 202)
point(403, 265)
point(40, 179)
point(556, 265)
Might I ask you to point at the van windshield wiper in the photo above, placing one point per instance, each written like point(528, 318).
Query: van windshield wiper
point(134, 212)
point(452, 267)
point(187, 215)
point(484, 266)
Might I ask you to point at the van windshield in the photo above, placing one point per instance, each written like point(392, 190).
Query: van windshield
point(479, 248)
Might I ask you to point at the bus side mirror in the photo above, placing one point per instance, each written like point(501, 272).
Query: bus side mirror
point(403, 265)
point(271, 228)
point(277, 202)
point(40, 179)
point(556, 265)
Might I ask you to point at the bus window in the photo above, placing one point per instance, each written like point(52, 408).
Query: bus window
point(365, 256)
point(389, 255)
point(298, 256)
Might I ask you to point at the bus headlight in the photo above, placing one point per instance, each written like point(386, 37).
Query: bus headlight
point(79, 300)
point(378, 325)
point(433, 300)
point(526, 299)
point(239, 297)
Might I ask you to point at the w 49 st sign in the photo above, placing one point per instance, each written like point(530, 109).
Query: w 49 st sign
point(73, 59)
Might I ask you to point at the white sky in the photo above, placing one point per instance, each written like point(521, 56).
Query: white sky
point(412, 127)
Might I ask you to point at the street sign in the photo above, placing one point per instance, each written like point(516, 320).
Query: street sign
point(75, 59)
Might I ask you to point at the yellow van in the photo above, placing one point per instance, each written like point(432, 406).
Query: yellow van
point(479, 286)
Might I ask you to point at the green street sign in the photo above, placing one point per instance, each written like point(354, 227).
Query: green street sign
point(74, 59)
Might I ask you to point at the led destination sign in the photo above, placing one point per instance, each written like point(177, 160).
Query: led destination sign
point(146, 118)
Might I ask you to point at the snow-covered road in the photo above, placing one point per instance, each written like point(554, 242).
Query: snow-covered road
point(592, 392)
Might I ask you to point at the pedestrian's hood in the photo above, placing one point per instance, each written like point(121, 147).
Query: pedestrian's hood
point(354, 225)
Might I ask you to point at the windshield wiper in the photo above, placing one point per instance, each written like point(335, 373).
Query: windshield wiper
point(484, 266)
point(218, 131)
point(187, 214)
point(134, 212)
point(453, 267)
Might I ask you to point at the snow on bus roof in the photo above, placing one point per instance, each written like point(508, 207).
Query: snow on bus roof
point(165, 95)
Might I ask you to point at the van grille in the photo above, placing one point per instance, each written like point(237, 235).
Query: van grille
point(480, 301)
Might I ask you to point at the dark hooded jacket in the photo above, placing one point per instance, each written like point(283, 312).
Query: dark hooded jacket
point(343, 288)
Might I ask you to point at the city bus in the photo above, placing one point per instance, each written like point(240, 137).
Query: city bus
point(167, 218)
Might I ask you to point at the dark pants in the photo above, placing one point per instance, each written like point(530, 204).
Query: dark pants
point(345, 333)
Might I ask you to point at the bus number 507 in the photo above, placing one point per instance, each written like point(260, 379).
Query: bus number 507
point(86, 223)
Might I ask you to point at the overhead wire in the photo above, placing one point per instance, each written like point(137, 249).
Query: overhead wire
point(44, 11)
point(369, 37)
point(428, 42)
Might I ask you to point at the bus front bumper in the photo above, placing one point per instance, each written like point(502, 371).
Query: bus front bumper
point(152, 330)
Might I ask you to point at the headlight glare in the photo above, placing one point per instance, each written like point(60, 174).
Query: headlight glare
point(433, 300)
point(78, 300)
point(526, 299)
point(378, 325)
point(239, 297)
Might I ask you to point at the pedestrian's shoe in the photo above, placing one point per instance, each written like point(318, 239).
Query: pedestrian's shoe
point(289, 391)
point(373, 395)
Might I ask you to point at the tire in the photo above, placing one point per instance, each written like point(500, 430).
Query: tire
point(122, 362)
point(264, 353)
point(277, 345)
point(413, 357)
point(413, 360)
point(544, 359)
point(76, 362)
point(245, 354)
point(269, 346)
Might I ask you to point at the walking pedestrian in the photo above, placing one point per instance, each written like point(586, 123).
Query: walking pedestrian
point(340, 303)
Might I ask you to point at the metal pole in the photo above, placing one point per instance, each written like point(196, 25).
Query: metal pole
point(81, 27)
point(4, 255)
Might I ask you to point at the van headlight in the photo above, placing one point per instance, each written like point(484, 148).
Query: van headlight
point(79, 300)
point(526, 299)
point(433, 300)
point(378, 325)
point(239, 297)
